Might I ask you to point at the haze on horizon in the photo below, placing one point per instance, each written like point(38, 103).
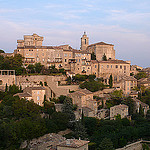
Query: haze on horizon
point(125, 24)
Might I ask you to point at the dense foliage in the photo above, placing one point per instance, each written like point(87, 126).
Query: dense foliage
point(21, 119)
point(93, 56)
point(116, 133)
point(92, 86)
point(140, 75)
point(12, 63)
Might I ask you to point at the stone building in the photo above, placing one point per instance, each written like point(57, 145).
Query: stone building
point(73, 144)
point(119, 109)
point(126, 84)
point(76, 61)
point(7, 77)
point(33, 93)
point(84, 99)
point(144, 82)
point(137, 104)
point(100, 48)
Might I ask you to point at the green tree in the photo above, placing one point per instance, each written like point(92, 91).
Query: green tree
point(140, 75)
point(31, 68)
point(106, 144)
point(2, 51)
point(6, 88)
point(110, 81)
point(104, 58)
point(93, 56)
point(38, 67)
point(68, 108)
point(141, 112)
point(80, 130)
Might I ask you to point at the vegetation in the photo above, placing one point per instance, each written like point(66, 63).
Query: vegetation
point(110, 81)
point(21, 120)
point(93, 56)
point(104, 58)
point(12, 63)
point(112, 134)
point(140, 75)
point(2, 51)
point(92, 86)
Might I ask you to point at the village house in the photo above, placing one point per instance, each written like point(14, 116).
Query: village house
point(138, 103)
point(33, 93)
point(73, 144)
point(121, 109)
point(83, 98)
point(145, 82)
point(126, 84)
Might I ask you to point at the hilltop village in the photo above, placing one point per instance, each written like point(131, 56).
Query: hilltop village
point(83, 92)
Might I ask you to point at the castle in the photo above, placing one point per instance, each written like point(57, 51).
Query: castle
point(73, 60)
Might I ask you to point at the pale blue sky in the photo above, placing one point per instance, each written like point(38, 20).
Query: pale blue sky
point(124, 23)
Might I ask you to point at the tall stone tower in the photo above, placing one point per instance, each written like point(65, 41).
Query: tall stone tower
point(84, 42)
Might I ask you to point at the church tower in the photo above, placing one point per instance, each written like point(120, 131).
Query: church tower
point(84, 42)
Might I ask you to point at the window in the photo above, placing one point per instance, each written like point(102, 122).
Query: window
point(1, 82)
point(65, 55)
point(85, 41)
point(116, 66)
point(38, 98)
point(65, 60)
point(37, 92)
point(79, 60)
point(42, 54)
point(95, 66)
point(124, 67)
point(107, 66)
point(120, 67)
point(111, 66)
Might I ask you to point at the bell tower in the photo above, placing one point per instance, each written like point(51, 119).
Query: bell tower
point(84, 42)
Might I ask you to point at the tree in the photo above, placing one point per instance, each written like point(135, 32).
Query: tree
point(1, 51)
point(140, 75)
point(104, 58)
point(106, 144)
point(110, 81)
point(38, 67)
point(93, 56)
point(6, 88)
point(80, 130)
point(141, 112)
point(68, 108)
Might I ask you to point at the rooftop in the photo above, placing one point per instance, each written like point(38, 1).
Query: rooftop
point(74, 143)
point(100, 43)
point(114, 61)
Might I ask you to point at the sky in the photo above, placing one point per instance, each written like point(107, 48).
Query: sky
point(124, 23)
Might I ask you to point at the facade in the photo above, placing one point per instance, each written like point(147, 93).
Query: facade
point(33, 93)
point(119, 109)
point(100, 49)
point(126, 84)
point(76, 61)
point(7, 77)
point(84, 99)
point(137, 104)
point(102, 114)
point(73, 144)
point(144, 82)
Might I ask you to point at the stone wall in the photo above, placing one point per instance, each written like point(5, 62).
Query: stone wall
point(133, 146)
point(52, 90)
